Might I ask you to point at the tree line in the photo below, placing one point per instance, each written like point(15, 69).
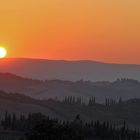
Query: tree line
point(40, 127)
point(92, 101)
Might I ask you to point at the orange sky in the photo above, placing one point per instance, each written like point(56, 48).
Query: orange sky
point(103, 30)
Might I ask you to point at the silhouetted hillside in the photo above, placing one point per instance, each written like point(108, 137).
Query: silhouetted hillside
point(36, 126)
point(125, 88)
point(114, 112)
point(69, 70)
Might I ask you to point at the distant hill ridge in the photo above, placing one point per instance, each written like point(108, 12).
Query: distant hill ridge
point(43, 69)
point(38, 89)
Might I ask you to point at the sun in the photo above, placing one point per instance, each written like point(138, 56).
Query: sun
point(3, 52)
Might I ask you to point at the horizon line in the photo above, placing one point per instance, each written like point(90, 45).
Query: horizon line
point(70, 60)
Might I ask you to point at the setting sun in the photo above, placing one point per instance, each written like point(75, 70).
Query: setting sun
point(3, 52)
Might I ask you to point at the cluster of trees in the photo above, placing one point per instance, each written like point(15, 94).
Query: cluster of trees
point(92, 101)
point(39, 127)
point(110, 102)
point(127, 80)
point(73, 100)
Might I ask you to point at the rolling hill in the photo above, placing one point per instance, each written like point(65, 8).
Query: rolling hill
point(117, 113)
point(125, 88)
point(68, 70)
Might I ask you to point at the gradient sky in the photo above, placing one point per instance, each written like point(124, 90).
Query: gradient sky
point(103, 30)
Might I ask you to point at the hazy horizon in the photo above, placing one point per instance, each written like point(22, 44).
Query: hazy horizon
point(69, 60)
point(106, 31)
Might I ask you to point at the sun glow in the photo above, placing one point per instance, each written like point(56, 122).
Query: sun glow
point(3, 52)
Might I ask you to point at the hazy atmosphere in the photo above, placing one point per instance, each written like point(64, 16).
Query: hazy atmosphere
point(69, 69)
point(102, 30)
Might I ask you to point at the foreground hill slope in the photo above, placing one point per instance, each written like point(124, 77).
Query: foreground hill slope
point(117, 113)
point(69, 70)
